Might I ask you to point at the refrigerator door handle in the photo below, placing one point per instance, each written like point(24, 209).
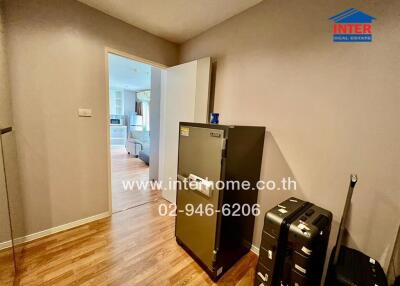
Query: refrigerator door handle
point(201, 185)
point(182, 178)
point(196, 183)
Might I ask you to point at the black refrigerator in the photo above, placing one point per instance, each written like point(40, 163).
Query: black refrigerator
point(218, 170)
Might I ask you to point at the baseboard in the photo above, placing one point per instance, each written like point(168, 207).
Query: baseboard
point(255, 249)
point(50, 231)
point(5, 245)
point(67, 226)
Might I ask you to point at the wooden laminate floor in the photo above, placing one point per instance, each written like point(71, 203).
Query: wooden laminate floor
point(6, 267)
point(133, 247)
point(128, 168)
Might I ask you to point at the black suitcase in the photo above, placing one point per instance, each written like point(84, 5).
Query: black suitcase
point(293, 244)
point(350, 267)
point(274, 239)
point(355, 268)
point(308, 239)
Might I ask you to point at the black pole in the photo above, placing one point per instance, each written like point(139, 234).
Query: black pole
point(353, 181)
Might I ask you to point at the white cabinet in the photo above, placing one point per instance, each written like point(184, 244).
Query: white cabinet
point(118, 134)
point(116, 102)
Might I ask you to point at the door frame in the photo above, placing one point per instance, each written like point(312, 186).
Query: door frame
point(108, 50)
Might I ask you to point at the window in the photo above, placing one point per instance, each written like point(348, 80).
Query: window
point(144, 98)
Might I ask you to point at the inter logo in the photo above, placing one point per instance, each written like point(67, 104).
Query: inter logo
point(352, 26)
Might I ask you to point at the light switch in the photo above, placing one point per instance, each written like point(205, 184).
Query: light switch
point(84, 112)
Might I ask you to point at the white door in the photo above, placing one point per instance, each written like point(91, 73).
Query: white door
point(184, 97)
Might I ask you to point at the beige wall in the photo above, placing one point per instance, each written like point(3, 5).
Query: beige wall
point(5, 101)
point(5, 119)
point(331, 108)
point(9, 151)
point(57, 64)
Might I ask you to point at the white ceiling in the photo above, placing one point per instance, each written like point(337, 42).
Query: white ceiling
point(127, 74)
point(174, 20)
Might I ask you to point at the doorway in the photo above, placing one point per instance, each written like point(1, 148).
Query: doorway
point(176, 94)
point(134, 116)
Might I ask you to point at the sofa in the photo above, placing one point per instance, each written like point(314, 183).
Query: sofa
point(138, 145)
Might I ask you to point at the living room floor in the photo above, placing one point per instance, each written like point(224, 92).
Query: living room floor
point(128, 168)
point(133, 247)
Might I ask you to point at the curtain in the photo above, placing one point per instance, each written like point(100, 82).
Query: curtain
point(139, 108)
point(146, 115)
